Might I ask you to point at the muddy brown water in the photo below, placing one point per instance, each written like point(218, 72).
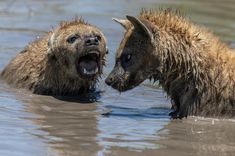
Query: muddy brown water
point(138, 121)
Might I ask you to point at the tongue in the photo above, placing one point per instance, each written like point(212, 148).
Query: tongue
point(89, 66)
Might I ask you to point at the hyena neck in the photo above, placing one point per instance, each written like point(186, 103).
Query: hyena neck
point(178, 60)
point(188, 76)
point(181, 74)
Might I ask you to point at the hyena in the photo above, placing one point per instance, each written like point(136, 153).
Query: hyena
point(66, 61)
point(192, 65)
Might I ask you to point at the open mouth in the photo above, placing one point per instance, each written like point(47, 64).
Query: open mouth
point(88, 65)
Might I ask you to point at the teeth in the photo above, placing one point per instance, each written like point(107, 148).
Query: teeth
point(90, 72)
point(84, 71)
point(96, 70)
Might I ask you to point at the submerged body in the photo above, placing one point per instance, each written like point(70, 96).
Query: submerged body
point(192, 65)
point(66, 61)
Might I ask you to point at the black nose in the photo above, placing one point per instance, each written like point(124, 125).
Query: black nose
point(89, 41)
point(109, 80)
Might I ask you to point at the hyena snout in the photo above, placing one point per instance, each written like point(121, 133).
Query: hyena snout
point(112, 79)
point(91, 41)
point(109, 80)
point(115, 78)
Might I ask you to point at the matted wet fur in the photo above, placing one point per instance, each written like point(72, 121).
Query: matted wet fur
point(66, 61)
point(192, 65)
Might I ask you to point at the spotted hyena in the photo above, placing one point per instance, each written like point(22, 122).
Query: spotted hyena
point(193, 66)
point(66, 61)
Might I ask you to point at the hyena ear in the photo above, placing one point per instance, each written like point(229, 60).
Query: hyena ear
point(50, 43)
point(143, 27)
point(124, 23)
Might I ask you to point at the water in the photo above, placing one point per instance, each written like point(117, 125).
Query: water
point(131, 123)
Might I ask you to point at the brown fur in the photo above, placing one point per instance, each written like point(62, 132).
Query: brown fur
point(193, 66)
point(46, 66)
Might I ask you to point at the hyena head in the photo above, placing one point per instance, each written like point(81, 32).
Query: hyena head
point(78, 49)
point(134, 55)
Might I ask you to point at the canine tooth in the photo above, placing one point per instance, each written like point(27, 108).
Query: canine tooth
point(88, 72)
point(85, 71)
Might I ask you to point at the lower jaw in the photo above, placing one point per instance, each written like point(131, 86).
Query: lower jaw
point(87, 77)
point(92, 76)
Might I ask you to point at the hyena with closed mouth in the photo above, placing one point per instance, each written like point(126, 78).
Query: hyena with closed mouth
point(66, 61)
point(193, 66)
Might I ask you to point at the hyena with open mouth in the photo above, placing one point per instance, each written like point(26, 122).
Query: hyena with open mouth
point(193, 66)
point(66, 61)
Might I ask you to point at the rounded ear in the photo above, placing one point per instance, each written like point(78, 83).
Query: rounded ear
point(50, 43)
point(124, 23)
point(107, 50)
point(143, 28)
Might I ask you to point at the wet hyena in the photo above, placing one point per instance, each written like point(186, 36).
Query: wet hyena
point(66, 61)
point(193, 66)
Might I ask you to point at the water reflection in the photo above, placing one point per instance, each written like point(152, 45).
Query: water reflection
point(129, 128)
point(15, 131)
point(199, 136)
point(70, 127)
point(57, 127)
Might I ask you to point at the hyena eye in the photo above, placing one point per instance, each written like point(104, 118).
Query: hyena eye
point(98, 37)
point(128, 58)
point(72, 39)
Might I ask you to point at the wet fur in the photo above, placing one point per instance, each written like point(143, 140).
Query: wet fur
point(197, 69)
point(38, 69)
point(193, 66)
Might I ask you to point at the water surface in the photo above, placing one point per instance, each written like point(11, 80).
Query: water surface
point(137, 122)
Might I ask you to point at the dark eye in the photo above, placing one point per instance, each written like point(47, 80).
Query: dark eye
point(127, 58)
point(98, 37)
point(72, 39)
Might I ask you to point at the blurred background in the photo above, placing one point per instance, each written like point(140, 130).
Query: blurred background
point(137, 122)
